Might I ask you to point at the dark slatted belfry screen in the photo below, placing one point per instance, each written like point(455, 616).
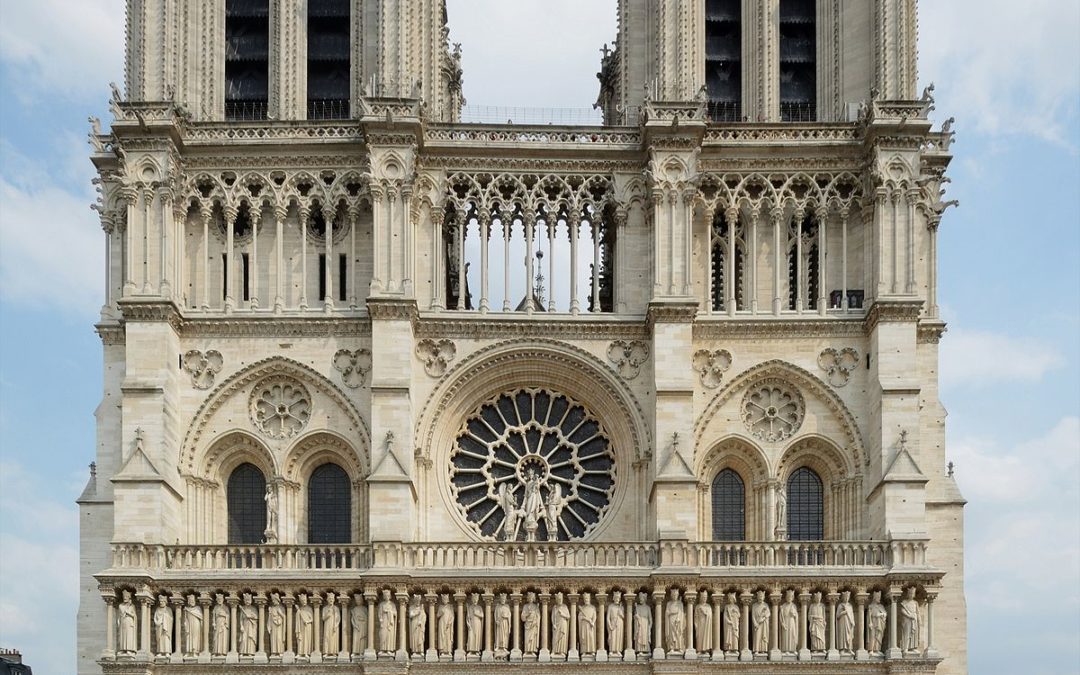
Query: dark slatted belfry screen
point(328, 59)
point(805, 506)
point(247, 505)
point(329, 506)
point(728, 507)
point(247, 59)
point(723, 59)
point(798, 61)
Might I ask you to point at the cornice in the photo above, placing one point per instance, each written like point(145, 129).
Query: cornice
point(892, 311)
point(150, 310)
point(931, 331)
point(678, 311)
point(111, 333)
point(567, 328)
point(272, 327)
point(392, 309)
point(752, 329)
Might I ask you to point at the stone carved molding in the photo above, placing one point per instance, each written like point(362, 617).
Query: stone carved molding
point(627, 357)
point(202, 366)
point(436, 355)
point(838, 364)
point(191, 449)
point(773, 410)
point(280, 407)
point(353, 365)
point(532, 464)
point(797, 377)
point(435, 325)
point(711, 366)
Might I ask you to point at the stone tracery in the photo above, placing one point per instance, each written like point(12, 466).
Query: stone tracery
point(532, 465)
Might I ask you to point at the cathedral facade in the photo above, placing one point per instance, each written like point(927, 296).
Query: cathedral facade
point(389, 392)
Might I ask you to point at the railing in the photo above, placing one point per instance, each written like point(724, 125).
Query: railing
point(499, 555)
point(246, 110)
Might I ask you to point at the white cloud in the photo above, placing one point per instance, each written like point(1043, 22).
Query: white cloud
point(61, 47)
point(1004, 67)
point(979, 357)
point(1022, 499)
point(51, 242)
point(39, 586)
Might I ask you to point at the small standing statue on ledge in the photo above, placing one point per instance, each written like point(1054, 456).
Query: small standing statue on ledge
point(271, 515)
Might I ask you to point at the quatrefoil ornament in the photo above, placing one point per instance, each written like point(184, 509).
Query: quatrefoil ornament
point(711, 366)
point(202, 367)
point(436, 355)
point(627, 356)
point(353, 366)
point(838, 364)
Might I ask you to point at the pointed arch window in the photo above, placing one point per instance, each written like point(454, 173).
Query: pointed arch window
point(805, 506)
point(246, 505)
point(329, 506)
point(728, 263)
point(728, 507)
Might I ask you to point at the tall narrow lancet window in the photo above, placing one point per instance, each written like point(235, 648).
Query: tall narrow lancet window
point(804, 260)
point(247, 59)
point(328, 63)
point(805, 506)
point(728, 507)
point(329, 506)
point(798, 61)
point(723, 59)
point(247, 505)
point(728, 259)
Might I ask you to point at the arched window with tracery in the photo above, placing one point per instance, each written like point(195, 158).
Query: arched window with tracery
point(805, 506)
point(804, 261)
point(246, 505)
point(329, 506)
point(728, 507)
point(727, 263)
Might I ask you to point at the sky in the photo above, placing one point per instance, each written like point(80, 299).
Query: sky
point(1009, 287)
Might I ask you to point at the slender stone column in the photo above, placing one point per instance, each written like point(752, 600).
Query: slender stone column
point(774, 625)
point(894, 651)
point(316, 610)
point(488, 653)
point(402, 627)
point(744, 630)
point(717, 626)
point(573, 221)
point(260, 649)
point(823, 261)
point(691, 599)
point(253, 272)
point(484, 216)
point(279, 260)
point(328, 255)
point(545, 619)
point(830, 629)
point(931, 647)
point(752, 254)
point(354, 222)
point(304, 215)
point(230, 267)
point(178, 609)
point(110, 627)
point(844, 259)
point(146, 601)
point(515, 627)
point(204, 600)
point(344, 629)
point(860, 624)
point(204, 261)
point(804, 600)
point(289, 654)
point(459, 623)
point(800, 265)
point(628, 627)
point(148, 204)
point(658, 617)
point(572, 650)
point(232, 601)
point(601, 626)
point(779, 255)
point(369, 651)
point(432, 653)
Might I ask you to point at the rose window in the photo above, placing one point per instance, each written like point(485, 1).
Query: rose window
point(280, 407)
point(773, 411)
point(532, 466)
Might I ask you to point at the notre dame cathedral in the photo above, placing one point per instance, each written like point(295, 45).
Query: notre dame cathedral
point(386, 391)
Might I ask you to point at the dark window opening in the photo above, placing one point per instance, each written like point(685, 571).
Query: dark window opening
point(247, 59)
point(721, 261)
point(322, 276)
point(854, 298)
point(728, 507)
point(805, 506)
point(808, 270)
point(328, 60)
point(329, 506)
point(343, 267)
point(798, 61)
point(723, 59)
point(247, 275)
point(224, 276)
point(247, 506)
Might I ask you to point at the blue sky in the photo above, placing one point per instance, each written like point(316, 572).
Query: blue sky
point(1010, 289)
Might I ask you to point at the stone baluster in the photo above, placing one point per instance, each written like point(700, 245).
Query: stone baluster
point(744, 630)
point(830, 628)
point(860, 624)
point(459, 625)
point(545, 619)
point(658, 624)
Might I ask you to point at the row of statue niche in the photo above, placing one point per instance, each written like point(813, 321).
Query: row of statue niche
point(614, 621)
point(525, 518)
